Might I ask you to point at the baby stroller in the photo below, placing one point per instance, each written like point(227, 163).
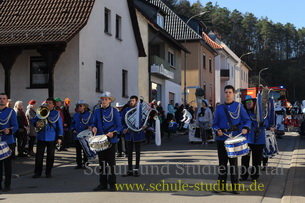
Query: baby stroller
point(172, 127)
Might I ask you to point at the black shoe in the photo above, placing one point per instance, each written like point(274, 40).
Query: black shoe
point(112, 188)
point(219, 191)
point(129, 173)
point(22, 155)
point(100, 188)
point(49, 176)
point(36, 176)
point(6, 189)
point(243, 179)
point(32, 153)
point(63, 149)
point(78, 167)
point(136, 173)
point(235, 192)
point(120, 155)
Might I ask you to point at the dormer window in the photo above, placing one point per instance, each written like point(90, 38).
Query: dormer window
point(160, 20)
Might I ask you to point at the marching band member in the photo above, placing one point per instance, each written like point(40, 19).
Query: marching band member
point(8, 126)
point(46, 137)
point(256, 140)
point(107, 121)
point(232, 119)
point(80, 122)
point(132, 138)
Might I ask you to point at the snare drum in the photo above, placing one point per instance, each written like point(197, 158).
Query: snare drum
point(84, 138)
point(5, 150)
point(99, 143)
point(236, 147)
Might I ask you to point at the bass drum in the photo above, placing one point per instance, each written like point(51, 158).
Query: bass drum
point(271, 148)
point(84, 138)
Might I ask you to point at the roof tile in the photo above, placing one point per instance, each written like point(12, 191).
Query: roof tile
point(211, 42)
point(42, 21)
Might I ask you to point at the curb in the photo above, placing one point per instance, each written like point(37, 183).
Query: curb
point(277, 186)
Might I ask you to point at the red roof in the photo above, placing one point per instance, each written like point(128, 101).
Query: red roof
point(42, 21)
point(211, 42)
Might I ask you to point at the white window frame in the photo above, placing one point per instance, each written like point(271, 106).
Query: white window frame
point(171, 57)
point(160, 20)
point(99, 77)
point(118, 27)
point(107, 22)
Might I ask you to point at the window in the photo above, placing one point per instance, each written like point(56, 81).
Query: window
point(211, 92)
point(39, 73)
point(171, 97)
point(118, 27)
point(241, 75)
point(171, 57)
point(156, 91)
point(160, 20)
point(210, 65)
point(99, 77)
point(204, 63)
point(107, 22)
point(124, 83)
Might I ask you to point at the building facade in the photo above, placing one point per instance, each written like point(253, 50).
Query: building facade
point(101, 56)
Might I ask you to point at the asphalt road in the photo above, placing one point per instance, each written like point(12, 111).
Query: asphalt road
point(175, 172)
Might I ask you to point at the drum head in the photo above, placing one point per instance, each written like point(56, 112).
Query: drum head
point(234, 140)
point(98, 139)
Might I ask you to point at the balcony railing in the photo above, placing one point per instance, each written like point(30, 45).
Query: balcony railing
point(161, 67)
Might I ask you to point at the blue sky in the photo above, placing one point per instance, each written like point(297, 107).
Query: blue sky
point(283, 11)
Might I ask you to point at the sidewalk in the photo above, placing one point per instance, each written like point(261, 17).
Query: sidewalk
point(295, 184)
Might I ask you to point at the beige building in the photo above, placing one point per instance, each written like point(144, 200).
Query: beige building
point(200, 70)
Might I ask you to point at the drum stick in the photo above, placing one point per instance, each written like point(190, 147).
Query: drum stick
point(228, 135)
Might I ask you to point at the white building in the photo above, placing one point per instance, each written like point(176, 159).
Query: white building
point(100, 46)
point(229, 70)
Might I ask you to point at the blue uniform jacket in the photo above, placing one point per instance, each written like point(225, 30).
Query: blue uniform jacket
point(81, 122)
point(261, 139)
point(12, 122)
point(107, 120)
point(220, 119)
point(131, 135)
point(49, 133)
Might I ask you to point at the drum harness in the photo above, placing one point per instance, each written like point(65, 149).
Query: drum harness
point(258, 129)
point(232, 127)
point(5, 121)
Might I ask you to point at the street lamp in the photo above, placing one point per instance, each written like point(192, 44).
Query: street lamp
point(259, 76)
point(246, 54)
point(199, 14)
